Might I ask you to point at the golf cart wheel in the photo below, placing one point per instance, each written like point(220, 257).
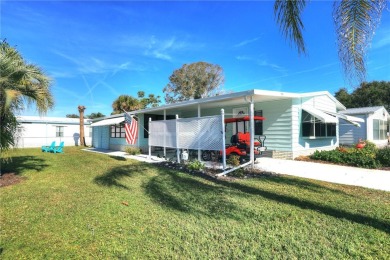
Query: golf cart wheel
point(206, 155)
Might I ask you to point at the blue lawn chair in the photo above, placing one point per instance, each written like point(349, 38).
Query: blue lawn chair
point(59, 149)
point(50, 148)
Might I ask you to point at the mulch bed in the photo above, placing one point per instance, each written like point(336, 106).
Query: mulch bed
point(212, 173)
point(8, 179)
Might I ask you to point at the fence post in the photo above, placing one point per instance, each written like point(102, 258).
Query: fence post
point(150, 147)
point(223, 139)
point(177, 139)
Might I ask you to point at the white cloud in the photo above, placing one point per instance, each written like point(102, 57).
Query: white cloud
point(246, 42)
point(94, 65)
point(158, 48)
point(261, 62)
point(382, 42)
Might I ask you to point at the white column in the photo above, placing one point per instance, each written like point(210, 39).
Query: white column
point(150, 147)
point(223, 139)
point(199, 115)
point(177, 140)
point(165, 135)
point(252, 132)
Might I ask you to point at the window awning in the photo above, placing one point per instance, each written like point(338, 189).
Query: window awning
point(324, 117)
point(351, 119)
point(110, 121)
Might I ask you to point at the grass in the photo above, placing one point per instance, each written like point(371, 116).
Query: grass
point(81, 205)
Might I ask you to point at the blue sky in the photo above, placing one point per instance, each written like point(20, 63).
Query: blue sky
point(96, 51)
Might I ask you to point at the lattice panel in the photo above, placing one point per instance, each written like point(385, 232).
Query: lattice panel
point(203, 133)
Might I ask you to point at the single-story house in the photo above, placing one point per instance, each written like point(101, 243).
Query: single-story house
point(35, 131)
point(296, 123)
point(374, 128)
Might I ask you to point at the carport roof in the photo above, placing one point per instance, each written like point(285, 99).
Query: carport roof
point(236, 98)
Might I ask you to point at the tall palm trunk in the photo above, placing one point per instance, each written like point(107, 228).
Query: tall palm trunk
point(81, 111)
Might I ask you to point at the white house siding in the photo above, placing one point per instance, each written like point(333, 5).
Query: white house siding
point(381, 115)
point(322, 102)
point(350, 134)
point(36, 134)
point(305, 146)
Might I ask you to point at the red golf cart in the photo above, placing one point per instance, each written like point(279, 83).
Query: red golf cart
point(239, 142)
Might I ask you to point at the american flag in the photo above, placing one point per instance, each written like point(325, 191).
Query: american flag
point(131, 128)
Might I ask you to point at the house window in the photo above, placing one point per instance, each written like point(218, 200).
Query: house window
point(313, 127)
point(379, 129)
point(59, 131)
point(118, 131)
point(258, 124)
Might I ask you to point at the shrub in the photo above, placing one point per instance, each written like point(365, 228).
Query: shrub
point(239, 173)
point(234, 160)
point(364, 158)
point(370, 147)
point(132, 150)
point(195, 165)
point(383, 156)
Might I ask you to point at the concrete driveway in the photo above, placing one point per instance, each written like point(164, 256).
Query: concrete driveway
point(374, 179)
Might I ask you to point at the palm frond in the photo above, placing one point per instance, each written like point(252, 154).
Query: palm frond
point(355, 22)
point(288, 16)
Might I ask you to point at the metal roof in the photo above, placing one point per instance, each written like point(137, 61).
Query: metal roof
point(362, 110)
point(51, 120)
point(237, 98)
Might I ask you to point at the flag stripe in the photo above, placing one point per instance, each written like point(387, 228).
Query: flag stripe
point(131, 128)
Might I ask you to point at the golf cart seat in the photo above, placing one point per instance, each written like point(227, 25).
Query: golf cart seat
point(245, 138)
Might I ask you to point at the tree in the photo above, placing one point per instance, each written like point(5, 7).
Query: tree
point(72, 116)
point(81, 111)
point(95, 115)
point(21, 84)
point(128, 103)
point(375, 93)
point(150, 101)
point(344, 97)
point(194, 81)
point(355, 23)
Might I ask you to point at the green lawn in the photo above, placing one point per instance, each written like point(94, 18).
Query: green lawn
point(83, 205)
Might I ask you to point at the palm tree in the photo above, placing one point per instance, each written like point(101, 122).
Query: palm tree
point(355, 22)
point(81, 111)
point(125, 103)
point(20, 83)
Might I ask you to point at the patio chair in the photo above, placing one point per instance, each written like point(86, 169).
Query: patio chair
point(50, 148)
point(59, 149)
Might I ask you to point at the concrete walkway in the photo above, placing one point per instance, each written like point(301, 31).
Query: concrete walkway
point(374, 179)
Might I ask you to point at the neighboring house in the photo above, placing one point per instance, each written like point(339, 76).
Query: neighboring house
point(374, 129)
point(296, 123)
point(36, 131)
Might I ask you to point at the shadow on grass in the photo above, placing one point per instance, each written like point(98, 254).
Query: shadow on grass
point(118, 158)
point(114, 177)
point(302, 184)
point(192, 195)
point(19, 164)
point(204, 195)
